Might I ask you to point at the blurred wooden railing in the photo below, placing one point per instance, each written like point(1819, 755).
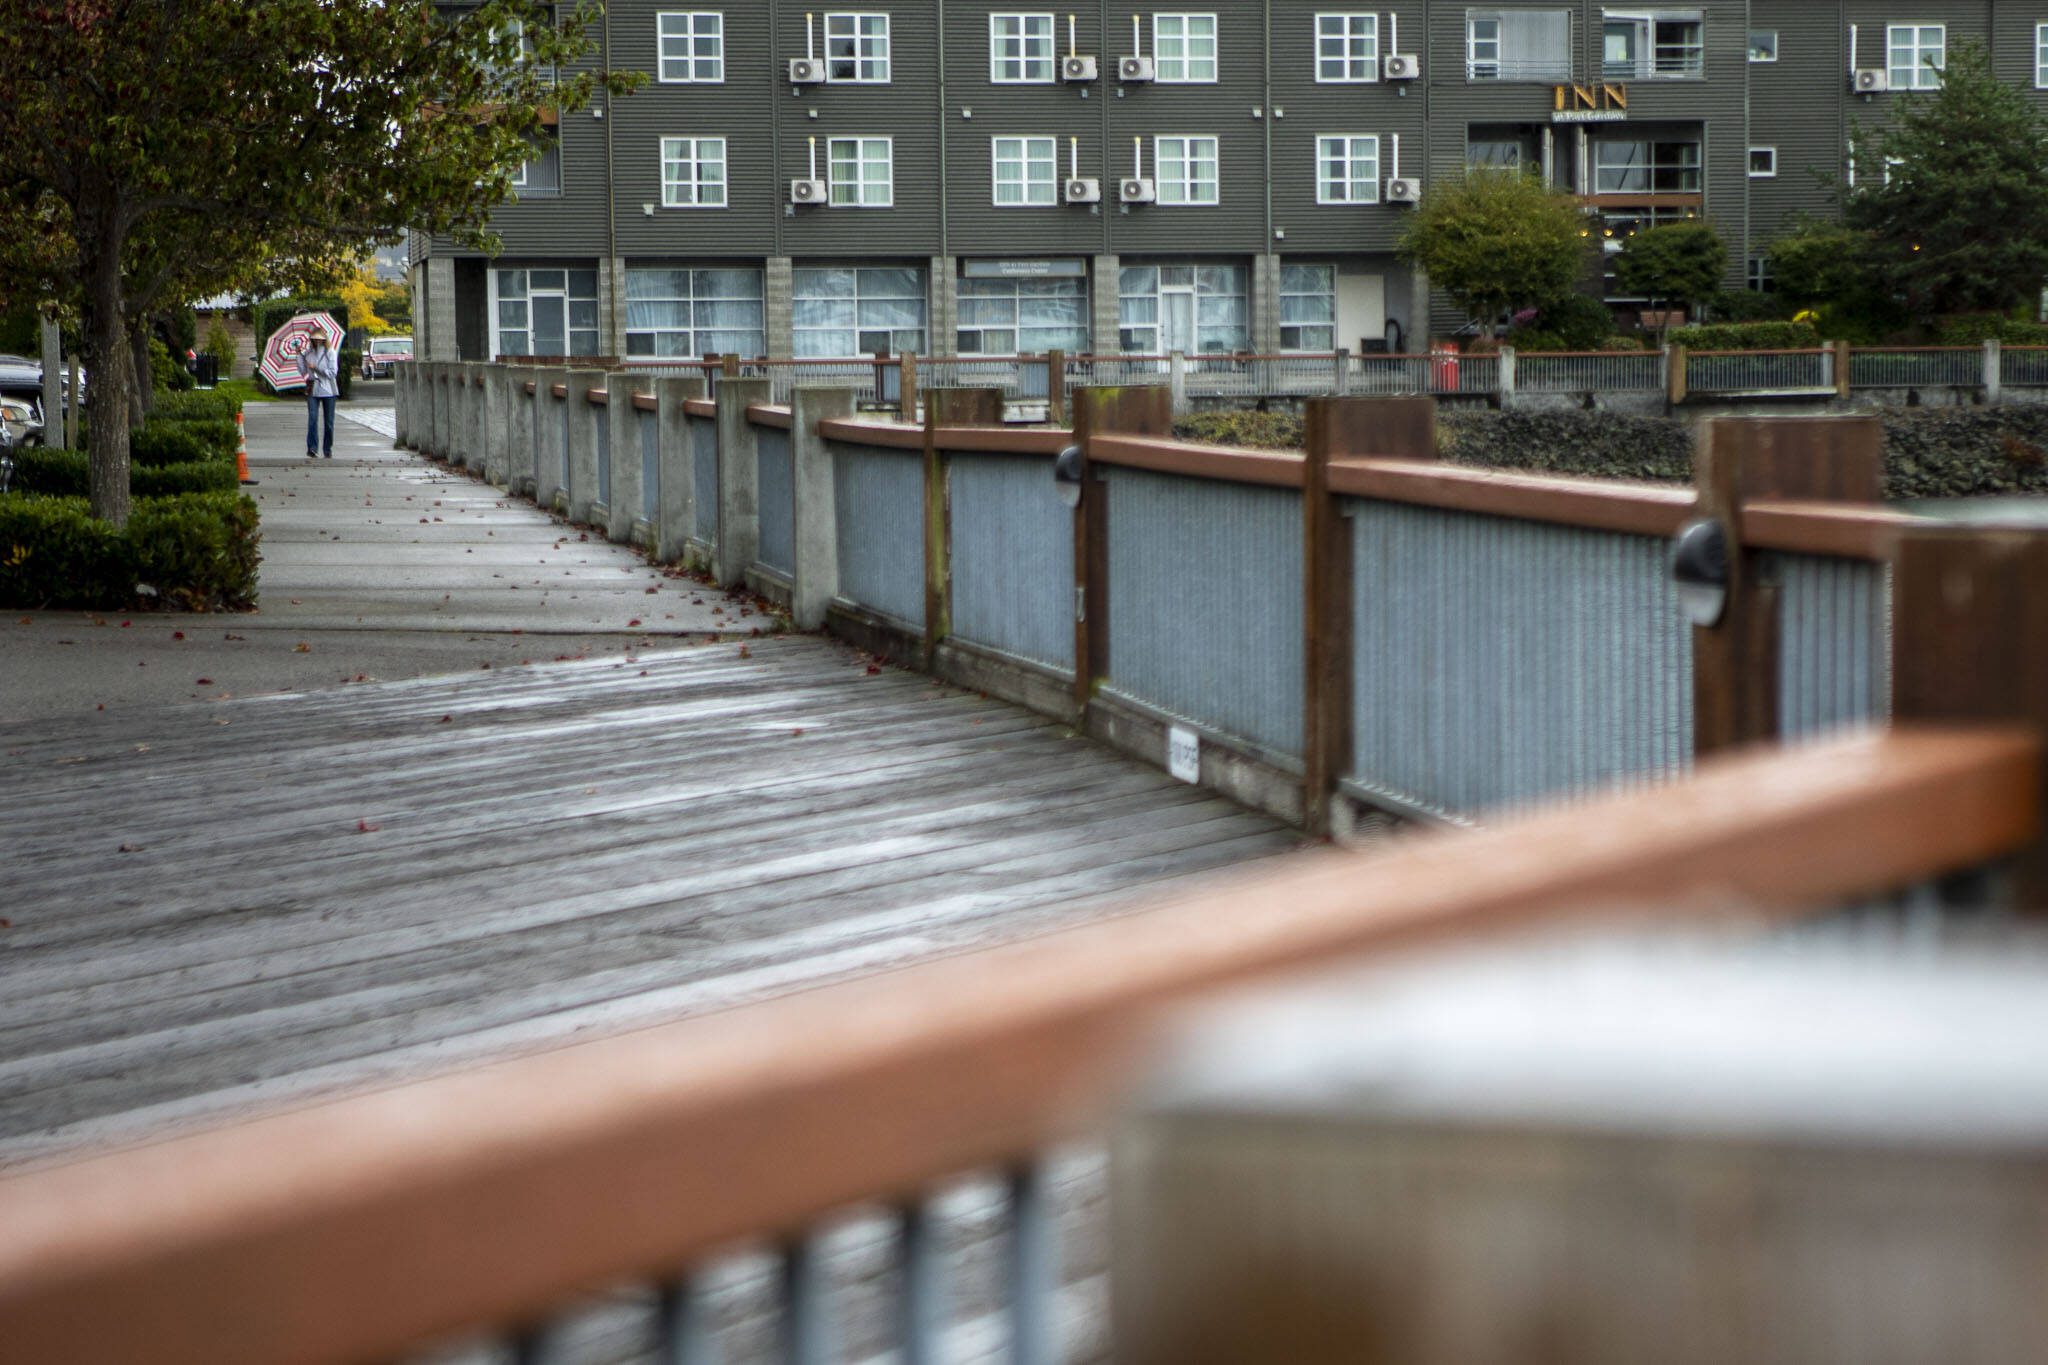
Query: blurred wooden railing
point(494, 1197)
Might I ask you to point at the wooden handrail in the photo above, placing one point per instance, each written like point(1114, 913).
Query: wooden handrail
point(646, 402)
point(1843, 530)
point(701, 407)
point(597, 398)
point(961, 440)
point(362, 1227)
point(1234, 464)
point(768, 415)
point(1597, 504)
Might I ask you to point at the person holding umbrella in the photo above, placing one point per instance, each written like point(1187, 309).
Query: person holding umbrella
point(319, 369)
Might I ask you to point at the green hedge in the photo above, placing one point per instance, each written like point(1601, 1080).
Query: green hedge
point(196, 405)
point(68, 473)
point(192, 441)
point(1974, 329)
point(1747, 336)
point(1259, 430)
point(196, 552)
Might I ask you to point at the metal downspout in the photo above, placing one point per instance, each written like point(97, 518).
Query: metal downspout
point(1269, 327)
point(615, 286)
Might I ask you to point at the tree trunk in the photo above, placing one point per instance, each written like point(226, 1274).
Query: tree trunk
point(109, 388)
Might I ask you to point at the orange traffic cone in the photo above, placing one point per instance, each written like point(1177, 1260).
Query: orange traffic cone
point(242, 449)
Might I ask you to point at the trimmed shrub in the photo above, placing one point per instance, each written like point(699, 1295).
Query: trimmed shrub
point(159, 442)
point(1747, 336)
point(1974, 329)
point(1573, 323)
point(196, 405)
point(68, 473)
point(1261, 430)
point(195, 552)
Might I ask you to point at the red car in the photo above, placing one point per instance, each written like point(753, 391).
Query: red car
point(383, 353)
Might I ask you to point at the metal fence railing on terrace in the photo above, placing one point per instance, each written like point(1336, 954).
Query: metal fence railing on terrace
point(2023, 366)
point(1589, 371)
point(1788, 371)
point(1908, 367)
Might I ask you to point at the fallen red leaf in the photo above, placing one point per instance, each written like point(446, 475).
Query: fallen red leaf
point(365, 827)
point(202, 682)
point(177, 635)
point(444, 720)
point(634, 622)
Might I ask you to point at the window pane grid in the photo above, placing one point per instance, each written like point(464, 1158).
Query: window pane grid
point(1347, 47)
point(1308, 308)
point(693, 172)
point(1518, 45)
point(679, 312)
point(1026, 171)
point(1348, 169)
point(1187, 170)
point(1020, 48)
point(861, 172)
point(1183, 48)
point(849, 311)
point(546, 312)
point(1915, 55)
point(691, 45)
point(857, 48)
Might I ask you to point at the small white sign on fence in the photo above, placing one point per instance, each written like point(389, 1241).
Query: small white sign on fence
point(1183, 753)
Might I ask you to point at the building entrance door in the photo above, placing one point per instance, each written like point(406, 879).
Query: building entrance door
point(550, 314)
point(1177, 313)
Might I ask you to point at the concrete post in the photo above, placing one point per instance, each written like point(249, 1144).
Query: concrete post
point(401, 403)
point(437, 310)
point(629, 499)
point(739, 507)
point(551, 451)
point(498, 423)
point(1505, 383)
point(519, 432)
point(437, 409)
point(1342, 382)
point(778, 279)
point(468, 444)
point(1993, 371)
point(1177, 382)
point(53, 376)
point(676, 516)
point(582, 481)
point(1105, 305)
point(420, 429)
point(480, 426)
point(945, 315)
point(816, 507)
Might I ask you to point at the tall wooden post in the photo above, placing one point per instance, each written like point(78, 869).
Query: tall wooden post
point(946, 408)
point(1970, 643)
point(1056, 388)
point(1138, 410)
point(1738, 460)
point(906, 388)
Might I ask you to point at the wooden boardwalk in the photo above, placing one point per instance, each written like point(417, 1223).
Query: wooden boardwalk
point(228, 904)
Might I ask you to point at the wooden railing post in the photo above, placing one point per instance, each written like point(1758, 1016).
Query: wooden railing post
point(1970, 643)
point(906, 388)
point(1841, 349)
point(1674, 375)
point(1737, 460)
point(1056, 388)
point(946, 408)
point(729, 365)
point(1137, 410)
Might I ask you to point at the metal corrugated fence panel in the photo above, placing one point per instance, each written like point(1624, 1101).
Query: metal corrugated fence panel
point(650, 463)
point(704, 476)
point(880, 505)
point(776, 489)
point(1834, 651)
point(1500, 662)
point(1205, 602)
point(1013, 558)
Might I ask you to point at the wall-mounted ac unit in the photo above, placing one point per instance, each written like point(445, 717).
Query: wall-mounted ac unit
point(806, 71)
point(1135, 190)
point(1402, 66)
point(1871, 81)
point(1404, 191)
point(1134, 69)
point(1077, 68)
point(806, 191)
point(1084, 189)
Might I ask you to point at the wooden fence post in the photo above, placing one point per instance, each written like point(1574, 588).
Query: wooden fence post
point(1136, 410)
point(945, 408)
point(1970, 643)
point(906, 388)
point(1842, 370)
point(1056, 388)
point(1737, 460)
point(1674, 375)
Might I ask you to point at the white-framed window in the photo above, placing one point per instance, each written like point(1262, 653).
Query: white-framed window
point(861, 171)
point(1020, 49)
point(1645, 166)
point(857, 48)
point(1184, 49)
point(1022, 316)
point(1347, 47)
point(1191, 308)
point(691, 46)
point(1763, 163)
point(2041, 56)
point(1186, 170)
point(672, 311)
point(1659, 45)
point(693, 172)
point(1763, 45)
point(1347, 169)
point(1518, 45)
point(544, 312)
point(540, 175)
point(1308, 307)
point(1026, 171)
point(1914, 55)
point(856, 310)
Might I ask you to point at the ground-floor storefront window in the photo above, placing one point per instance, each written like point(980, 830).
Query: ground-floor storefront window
point(1308, 307)
point(545, 311)
point(1022, 308)
point(674, 311)
point(1193, 309)
point(857, 310)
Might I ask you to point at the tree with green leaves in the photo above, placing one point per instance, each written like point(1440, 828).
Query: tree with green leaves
point(1953, 196)
point(1498, 242)
point(1675, 263)
point(152, 151)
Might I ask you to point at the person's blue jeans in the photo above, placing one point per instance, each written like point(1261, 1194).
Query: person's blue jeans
point(316, 408)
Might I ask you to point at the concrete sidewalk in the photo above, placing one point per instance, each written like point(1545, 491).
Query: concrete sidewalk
point(376, 565)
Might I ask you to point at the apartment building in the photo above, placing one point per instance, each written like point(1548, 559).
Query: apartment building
point(959, 177)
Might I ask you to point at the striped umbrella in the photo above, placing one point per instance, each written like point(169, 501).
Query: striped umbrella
point(281, 353)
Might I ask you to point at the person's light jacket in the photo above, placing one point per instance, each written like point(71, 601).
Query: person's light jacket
point(320, 367)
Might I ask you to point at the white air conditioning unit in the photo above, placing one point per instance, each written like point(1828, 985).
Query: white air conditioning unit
point(1871, 80)
point(1402, 66)
point(806, 71)
point(1135, 190)
point(1134, 69)
point(1076, 69)
point(1084, 190)
point(806, 191)
point(1404, 191)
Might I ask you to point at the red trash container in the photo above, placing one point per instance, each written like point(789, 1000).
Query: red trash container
point(1443, 367)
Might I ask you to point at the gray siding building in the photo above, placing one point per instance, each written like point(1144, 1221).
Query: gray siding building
point(960, 177)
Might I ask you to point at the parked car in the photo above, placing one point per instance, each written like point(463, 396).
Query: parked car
point(383, 353)
point(21, 420)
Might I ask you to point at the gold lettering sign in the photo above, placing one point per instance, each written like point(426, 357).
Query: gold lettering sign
point(1588, 103)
